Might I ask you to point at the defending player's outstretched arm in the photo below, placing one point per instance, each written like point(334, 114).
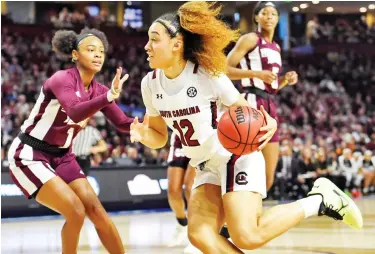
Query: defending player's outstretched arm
point(62, 85)
point(115, 115)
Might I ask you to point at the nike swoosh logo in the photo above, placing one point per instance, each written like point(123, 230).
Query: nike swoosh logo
point(341, 198)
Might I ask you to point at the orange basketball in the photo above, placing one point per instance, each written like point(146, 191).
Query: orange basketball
point(239, 129)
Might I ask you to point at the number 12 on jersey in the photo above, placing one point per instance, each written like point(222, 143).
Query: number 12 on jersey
point(185, 138)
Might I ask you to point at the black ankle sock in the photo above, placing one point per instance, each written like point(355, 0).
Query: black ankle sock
point(224, 232)
point(183, 221)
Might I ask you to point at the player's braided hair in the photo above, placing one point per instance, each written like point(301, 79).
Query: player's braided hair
point(65, 41)
point(205, 35)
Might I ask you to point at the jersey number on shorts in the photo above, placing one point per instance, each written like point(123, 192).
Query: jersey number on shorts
point(186, 139)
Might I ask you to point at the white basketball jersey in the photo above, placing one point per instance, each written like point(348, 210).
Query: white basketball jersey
point(193, 111)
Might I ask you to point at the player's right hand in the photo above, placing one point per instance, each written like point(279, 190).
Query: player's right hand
point(267, 76)
point(138, 130)
point(270, 128)
point(117, 83)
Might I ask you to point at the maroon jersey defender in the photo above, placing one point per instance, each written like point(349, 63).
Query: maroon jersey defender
point(62, 109)
point(40, 159)
point(256, 61)
point(264, 57)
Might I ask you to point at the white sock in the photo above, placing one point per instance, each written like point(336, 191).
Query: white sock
point(311, 205)
point(365, 190)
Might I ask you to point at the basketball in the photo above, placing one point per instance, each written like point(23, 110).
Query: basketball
point(239, 129)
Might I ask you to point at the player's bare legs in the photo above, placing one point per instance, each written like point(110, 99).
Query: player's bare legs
point(56, 195)
point(369, 177)
point(104, 226)
point(206, 217)
point(175, 198)
point(188, 181)
point(249, 228)
point(177, 177)
point(271, 156)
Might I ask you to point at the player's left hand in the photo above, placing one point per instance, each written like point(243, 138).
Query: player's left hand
point(270, 128)
point(138, 130)
point(291, 77)
point(118, 82)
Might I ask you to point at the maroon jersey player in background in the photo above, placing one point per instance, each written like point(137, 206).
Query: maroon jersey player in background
point(256, 61)
point(41, 162)
point(180, 174)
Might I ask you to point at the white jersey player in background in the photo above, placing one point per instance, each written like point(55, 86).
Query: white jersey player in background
point(188, 98)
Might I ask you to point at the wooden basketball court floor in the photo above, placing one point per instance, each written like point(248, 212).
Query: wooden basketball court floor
point(152, 231)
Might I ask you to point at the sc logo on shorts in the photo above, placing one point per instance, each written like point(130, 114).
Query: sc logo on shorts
point(241, 178)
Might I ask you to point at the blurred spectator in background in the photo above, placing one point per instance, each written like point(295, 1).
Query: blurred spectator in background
point(306, 169)
point(368, 168)
point(349, 168)
point(312, 30)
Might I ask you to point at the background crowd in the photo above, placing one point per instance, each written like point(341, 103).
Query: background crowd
point(327, 121)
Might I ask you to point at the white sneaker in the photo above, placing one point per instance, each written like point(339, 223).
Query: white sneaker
point(336, 204)
point(191, 249)
point(179, 237)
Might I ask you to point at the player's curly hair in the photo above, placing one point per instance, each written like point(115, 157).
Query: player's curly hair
point(65, 41)
point(205, 35)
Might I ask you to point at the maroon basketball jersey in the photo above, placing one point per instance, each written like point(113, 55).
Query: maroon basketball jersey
point(64, 107)
point(265, 56)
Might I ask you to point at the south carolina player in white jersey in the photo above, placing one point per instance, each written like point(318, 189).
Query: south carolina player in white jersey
point(180, 174)
point(40, 159)
point(189, 98)
point(256, 61)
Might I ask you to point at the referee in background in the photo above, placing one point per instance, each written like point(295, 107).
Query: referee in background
point(88, 142)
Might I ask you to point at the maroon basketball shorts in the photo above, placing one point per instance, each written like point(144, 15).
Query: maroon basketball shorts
point(177, 158)
point(31, 168)
point(269, 105)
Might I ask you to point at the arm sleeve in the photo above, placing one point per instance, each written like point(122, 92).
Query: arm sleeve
point(224, 90)
point(147, 98)
point(61, 84)
point(116, 116)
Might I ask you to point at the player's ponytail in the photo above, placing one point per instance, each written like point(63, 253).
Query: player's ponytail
point(63, 42)
point(205, 35)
